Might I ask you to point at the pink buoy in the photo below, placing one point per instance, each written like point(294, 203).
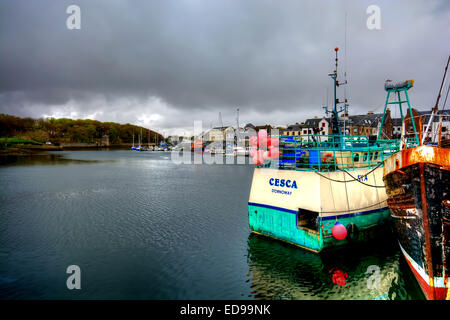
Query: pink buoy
point(262, 138)
point(274, 152)
point(339, 231)
point(257, 159)
point(274, 141)
point(260, 154)
point(254, 141)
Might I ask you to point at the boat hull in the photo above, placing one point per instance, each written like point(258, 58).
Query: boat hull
point(277, 204)
point(281, 224)
point(418, 185)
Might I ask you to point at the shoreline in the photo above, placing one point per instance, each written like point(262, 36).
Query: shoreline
point(30, 150)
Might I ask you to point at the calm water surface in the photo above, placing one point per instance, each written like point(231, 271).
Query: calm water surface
point(142, 227)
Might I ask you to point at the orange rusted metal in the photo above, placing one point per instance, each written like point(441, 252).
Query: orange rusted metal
point(426, 228)
point(427, 154)
point(421, 154)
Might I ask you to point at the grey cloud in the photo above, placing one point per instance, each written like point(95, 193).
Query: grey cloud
point(202, 57)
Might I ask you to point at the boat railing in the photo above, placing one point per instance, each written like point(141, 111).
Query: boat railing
point(331, 152)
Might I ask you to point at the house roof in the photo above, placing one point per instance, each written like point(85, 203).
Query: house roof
point(266, 126)
point(396, 122)
point(294, 127)
point(426, 115)
point(222, 128)
point(366, 120)
point(313, 122)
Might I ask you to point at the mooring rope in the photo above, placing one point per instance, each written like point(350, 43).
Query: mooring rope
point(354, 179)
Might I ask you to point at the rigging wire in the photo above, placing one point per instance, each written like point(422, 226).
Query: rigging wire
point(345, 70)
point(446, 96)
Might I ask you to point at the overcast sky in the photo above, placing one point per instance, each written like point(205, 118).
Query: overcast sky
point(163, 64)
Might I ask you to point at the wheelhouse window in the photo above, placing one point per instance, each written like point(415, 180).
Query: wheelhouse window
point(365, 157)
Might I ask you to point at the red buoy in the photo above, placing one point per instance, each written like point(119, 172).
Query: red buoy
point(339, 231)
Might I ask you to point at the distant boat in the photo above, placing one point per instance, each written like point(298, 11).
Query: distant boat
point(140, 147)
point(133, 147)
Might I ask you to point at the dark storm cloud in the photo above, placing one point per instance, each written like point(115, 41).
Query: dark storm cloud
point(175, 58)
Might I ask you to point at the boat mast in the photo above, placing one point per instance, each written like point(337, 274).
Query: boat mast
point(335, 127)
point(237, 127)
point(435, 109)
point(220, 120)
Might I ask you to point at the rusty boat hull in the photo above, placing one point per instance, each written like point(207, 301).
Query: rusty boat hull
point(417, 184)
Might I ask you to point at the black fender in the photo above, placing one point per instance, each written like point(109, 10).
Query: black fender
point(352, 232)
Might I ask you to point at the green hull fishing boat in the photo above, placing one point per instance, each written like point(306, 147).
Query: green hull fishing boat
point(324, 191)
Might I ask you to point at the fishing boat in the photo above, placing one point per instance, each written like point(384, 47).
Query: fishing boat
point(324, 191)
point(417, 180)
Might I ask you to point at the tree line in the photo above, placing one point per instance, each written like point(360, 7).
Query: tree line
point(66, 130)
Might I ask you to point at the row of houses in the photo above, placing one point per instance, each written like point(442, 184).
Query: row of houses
point(369, 125)
point(228, 133)
point(353, 125)
point(357, 125)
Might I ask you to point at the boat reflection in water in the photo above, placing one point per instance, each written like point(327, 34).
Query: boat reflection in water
point(280, 271)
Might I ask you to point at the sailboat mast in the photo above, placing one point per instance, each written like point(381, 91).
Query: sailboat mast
point(442, 84)
point(237, 126)
point(435, 109)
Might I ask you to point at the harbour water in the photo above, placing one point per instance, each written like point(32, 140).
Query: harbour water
point(142, 227)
